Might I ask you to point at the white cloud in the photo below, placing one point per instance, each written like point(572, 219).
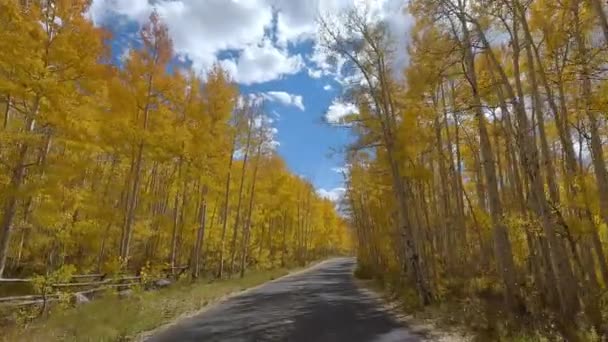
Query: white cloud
point(334, 195)
point(262, 63)
point(338, 110)
point(315, 73)
point(263, 125)
point(138, 10)
point(270, 133)
point(399, 22)
point(328, 87)
point(325, 63)
point(126, 54)
point(204, 29)
point(285, 98)
point(342, 170)
point(393, 13)
point(296, 19)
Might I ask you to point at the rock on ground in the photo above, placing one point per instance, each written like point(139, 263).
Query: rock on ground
point(161, 283)
point(125, 293)
point(80, 298)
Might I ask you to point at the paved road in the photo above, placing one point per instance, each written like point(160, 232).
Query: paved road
point(321, 304)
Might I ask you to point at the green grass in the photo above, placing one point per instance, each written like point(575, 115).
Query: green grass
point(114, 319)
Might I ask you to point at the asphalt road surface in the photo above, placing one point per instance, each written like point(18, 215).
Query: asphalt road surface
point(322, 304)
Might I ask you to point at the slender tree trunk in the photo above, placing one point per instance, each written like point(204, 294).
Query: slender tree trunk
point(445, 213)
point(235, 231)
point(502, 242)
point(597, 152)
point(247, 232)
point(176, 216)
point(182, 220)
point(132, 200)
point(14, 186)
point(546, 157)
point(561, 265)
point(599, 10)
point(102, 248)
point(200, 236)
point(7, 112)
point(220, 272)
point(284, 242)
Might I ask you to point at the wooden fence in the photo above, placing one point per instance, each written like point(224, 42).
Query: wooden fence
point(85, 284)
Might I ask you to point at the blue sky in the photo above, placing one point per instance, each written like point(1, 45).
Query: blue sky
point(306, 140)
point(271, 49)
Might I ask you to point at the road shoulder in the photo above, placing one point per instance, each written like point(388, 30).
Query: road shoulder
point(429, 329)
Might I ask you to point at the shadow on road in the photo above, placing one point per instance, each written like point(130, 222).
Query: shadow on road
point(322, 304)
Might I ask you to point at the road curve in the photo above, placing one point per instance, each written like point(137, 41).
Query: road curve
point(321, 304)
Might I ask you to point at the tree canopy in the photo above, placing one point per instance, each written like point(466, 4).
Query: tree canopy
point(113, 168)
point(479, 171)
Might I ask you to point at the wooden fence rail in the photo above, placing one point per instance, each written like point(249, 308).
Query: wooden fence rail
point(77, 286)
point(14, 281)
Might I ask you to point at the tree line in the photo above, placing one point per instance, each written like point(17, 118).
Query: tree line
point(479, 171)
point(112, 167)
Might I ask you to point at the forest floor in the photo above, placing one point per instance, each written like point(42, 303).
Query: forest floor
point(125, 319)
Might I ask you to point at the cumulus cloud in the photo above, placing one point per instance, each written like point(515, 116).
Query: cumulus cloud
point(334, 195)
point(297, 19)
point(338, 110)
point(328, 87)
point(285, 98)
point(325, 63)
point(262, 63)
point(202, 29)
point(101, 10)
point(256, 33)
point(391, 13)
